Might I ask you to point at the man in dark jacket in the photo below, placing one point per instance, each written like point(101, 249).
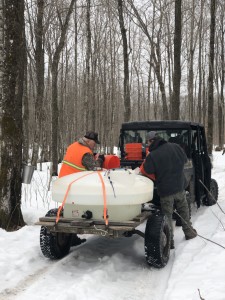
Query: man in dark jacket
point(165, 164)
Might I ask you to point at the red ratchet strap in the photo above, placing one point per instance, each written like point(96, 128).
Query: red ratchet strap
point(105, 216)
point(66, 195)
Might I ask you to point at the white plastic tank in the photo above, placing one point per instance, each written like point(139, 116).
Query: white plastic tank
point(125, 192)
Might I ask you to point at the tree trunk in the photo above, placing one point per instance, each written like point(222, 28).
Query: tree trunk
point(55, 111)
point(191, 65)
point(170, 60)
point(76, 112)
point(175, 111)
point(26, 129)
point(211, 76)
point(221, 98)
point(149, 93)
point(155, 63)
point(199, 106)
point(11, 134)
point(87, 97)
point(126, 85)
point(39, 63)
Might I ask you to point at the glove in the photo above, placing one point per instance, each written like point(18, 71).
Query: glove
point(102, 157)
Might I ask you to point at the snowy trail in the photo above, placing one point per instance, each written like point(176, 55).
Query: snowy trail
point(92, 271)
point(113, 267)
point(11, 293)
point(102, 266)
point(116, 268)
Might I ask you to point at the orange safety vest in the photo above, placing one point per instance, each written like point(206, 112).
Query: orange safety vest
point(72, 162)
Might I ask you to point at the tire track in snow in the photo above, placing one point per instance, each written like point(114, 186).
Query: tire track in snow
point(11, 293)
point(23, 285)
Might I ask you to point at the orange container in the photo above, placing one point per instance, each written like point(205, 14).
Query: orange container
point(111, 162)
point(133, 151)
point(133, 146)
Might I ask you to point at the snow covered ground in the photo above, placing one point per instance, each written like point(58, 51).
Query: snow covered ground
point(113, 269)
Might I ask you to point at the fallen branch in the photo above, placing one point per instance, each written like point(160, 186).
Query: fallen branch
point(200, 295)
point(218, 219)
point(199, 234)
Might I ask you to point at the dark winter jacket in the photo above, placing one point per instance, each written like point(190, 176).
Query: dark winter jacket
point(166, 161)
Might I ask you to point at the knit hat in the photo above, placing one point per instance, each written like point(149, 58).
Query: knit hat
point(151, 135)
point(91, 135)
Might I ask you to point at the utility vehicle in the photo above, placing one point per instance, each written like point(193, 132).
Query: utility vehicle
point(56, 238)
point(202, 188)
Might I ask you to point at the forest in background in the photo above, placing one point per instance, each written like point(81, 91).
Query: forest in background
point(90, 67)
point(67, 66)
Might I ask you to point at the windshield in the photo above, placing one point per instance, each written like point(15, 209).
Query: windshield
point(178, 136)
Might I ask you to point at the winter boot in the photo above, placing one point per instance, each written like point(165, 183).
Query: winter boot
point(191, 234)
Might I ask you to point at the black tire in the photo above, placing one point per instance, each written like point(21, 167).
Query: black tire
point(157, 241)
point(54, 245)
point(212, 197)
point(53, 212)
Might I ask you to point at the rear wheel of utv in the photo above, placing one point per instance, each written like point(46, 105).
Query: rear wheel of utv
point(54, 245)
point(212, 197)
point(157, 241)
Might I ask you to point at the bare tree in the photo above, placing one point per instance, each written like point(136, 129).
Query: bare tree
point(26, 128)
point(11, 76)
point(75, 106)
point(55, 63)
point(222, 74)
point(175, 110)
point(191, 63)
point(39, 64)
point(86, 75)
point(200, 35)
point(126, 85)
point(154, 60)
point(211, 76)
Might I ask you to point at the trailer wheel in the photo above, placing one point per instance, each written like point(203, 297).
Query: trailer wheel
point(54, 245)
point(53, 212)
point(212, 199)
point(157, 241)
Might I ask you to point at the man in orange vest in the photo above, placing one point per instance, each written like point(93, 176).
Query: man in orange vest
point(79, 155)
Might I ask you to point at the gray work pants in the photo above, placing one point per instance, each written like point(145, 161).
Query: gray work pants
point(180, 201)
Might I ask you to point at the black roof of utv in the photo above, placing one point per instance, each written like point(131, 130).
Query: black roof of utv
point(153, 125)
